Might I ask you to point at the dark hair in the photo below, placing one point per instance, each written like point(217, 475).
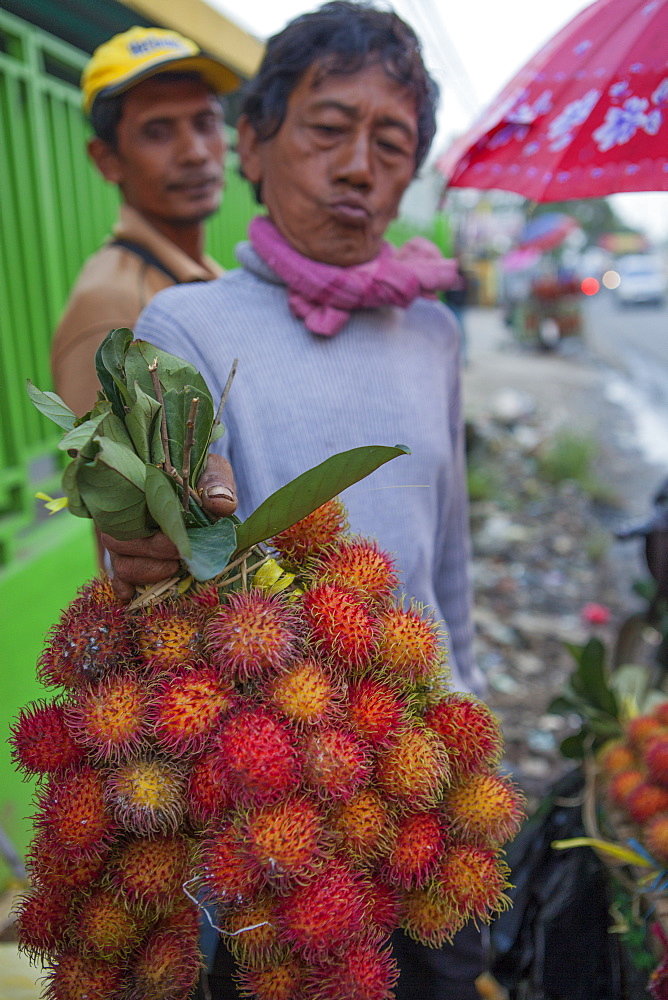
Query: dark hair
point(343, 36)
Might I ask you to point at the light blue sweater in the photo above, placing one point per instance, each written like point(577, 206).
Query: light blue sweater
point(391, 376)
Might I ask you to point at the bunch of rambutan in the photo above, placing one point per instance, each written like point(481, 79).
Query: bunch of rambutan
point(289, 755)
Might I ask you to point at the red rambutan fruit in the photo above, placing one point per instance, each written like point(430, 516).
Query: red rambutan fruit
point(285, 839)
point(470, 732)
point(660, 713)
point(487, 809)
point(92, 639)
point(227, 875)
point(415, 768)
point(363, 971)
point(52, 868)
point(641, 729)
point(314, 534)
point(645, 801)
point(364, 825)
point(72, 812)
point(386, 905)
point(656, 758)
point(74, 976)
point(207, 790)
point(259, 755)
point(169, 635)
point(359, 566)
point(321, 916)
point(182, 918)
point(252, 635)
point(42, 921)
point(280, 980)
point(473, 880)
point(103, 926)
point(336, 762)
point(655, 836)
point(614, 757)
point(419, 843)
point(430, 920)
point(623, 783)
point(307, 693)
point(146, 795)
point(340, 627)
point(250, 932)
point(110, 718)
point(165, 967)
point(41, 742)
point(187, 706)
point(410, 645)
point(204, 597)
point(149, 872)
point(375, 710)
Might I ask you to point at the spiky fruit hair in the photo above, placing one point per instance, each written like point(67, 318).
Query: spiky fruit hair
point(429, 919)
point(148, 872)
point(207, 792)
point(655, 837)
point(364, 825)
point(103, 926)
point(640, 729)
point(646, 801)
point(110, 719)
point(419, 844)
point(74, 976)
point(471, 733)
point(253, 635)
point(165, 967)
point(249, 931)
point(321, 916)
point(386, 905)
point(359, 566)
point(260, 756)
point(473, 881)
point(340, 627)
point(487, 810)
point(278, 980)
point(623, 783)
point(228, 876)
point(307, 693)
point(146, 795)
point(314, 534)
point(187, 706)
point(415, 769)
point(410, 645)
point(170, 635)
point(42, 921)
point(376, 710)
point(41, 741)
point(363, 971)
point(656, 758)
point(286, 840)
point(615, 756)
point(73, 813)
point(51, 868)
point(92, 639)
point(337, 762)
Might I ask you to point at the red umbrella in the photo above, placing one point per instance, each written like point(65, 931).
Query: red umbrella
point(586, 117)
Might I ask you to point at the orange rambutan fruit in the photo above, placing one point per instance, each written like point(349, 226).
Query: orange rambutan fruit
point(386, 905)
point(419, 843)
point(410, 645)
point(42, 921)
point(103, 926)
point(655, 756)
point(307, 693)
point(259, 755)
point(250, 932)
point(336, 762)
point(430, 920)
point(415, 769)
point(74, 976)
point(182, 918)
point(110, 718)
point(623, 783)
point(170, 635)
point(148, 872)
point(365, 970)
point(53, 869)
point(321, 916)
point(165, 967)
point(364, 825)
point(314, 534)
point(41, 741)
point(146, 795)
point(187, 706)
point(339, 626)
point(470, 731)
point(359, 566)
point(614, 757)
point(376, 710)
point(660, 713)
point(279, 980)
point(487, 809)
point(252, 635)
point(227, 875)
point(285, 840)
point(640, 729)
point(92, 639)
point(655, 836)
point(473, 880)
point(73, 814)
point(207, 791)
point(645, 801)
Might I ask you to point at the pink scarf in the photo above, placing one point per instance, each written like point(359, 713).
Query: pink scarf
point(324, 295)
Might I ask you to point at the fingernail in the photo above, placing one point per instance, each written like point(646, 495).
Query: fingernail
point(218, 493)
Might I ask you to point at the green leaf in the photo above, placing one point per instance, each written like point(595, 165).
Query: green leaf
point(593, 677)
point(173, 372)
point(79, 436)
point(112, 488)
point(212, 548)
point(312, 489)
point(52, 406)
point(177, 410)
point(573, 747)
point(143, 424)
point(216, 433)
point(75, 503)
point(110, 367)
point(165, 508)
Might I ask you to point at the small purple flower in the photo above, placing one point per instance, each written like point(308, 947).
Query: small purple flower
point(561, 128)
point(619, 89)
point(621, 124)
point(660, 95)
point(531, 148)
point(582, 47)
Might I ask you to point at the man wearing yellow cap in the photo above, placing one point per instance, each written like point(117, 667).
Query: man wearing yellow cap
point(151, 97)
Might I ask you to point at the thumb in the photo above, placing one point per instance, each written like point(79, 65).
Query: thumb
point(216, 487)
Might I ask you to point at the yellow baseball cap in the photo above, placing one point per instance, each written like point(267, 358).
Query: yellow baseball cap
point(138, 53)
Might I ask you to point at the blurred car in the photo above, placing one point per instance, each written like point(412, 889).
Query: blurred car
point(642, 278)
